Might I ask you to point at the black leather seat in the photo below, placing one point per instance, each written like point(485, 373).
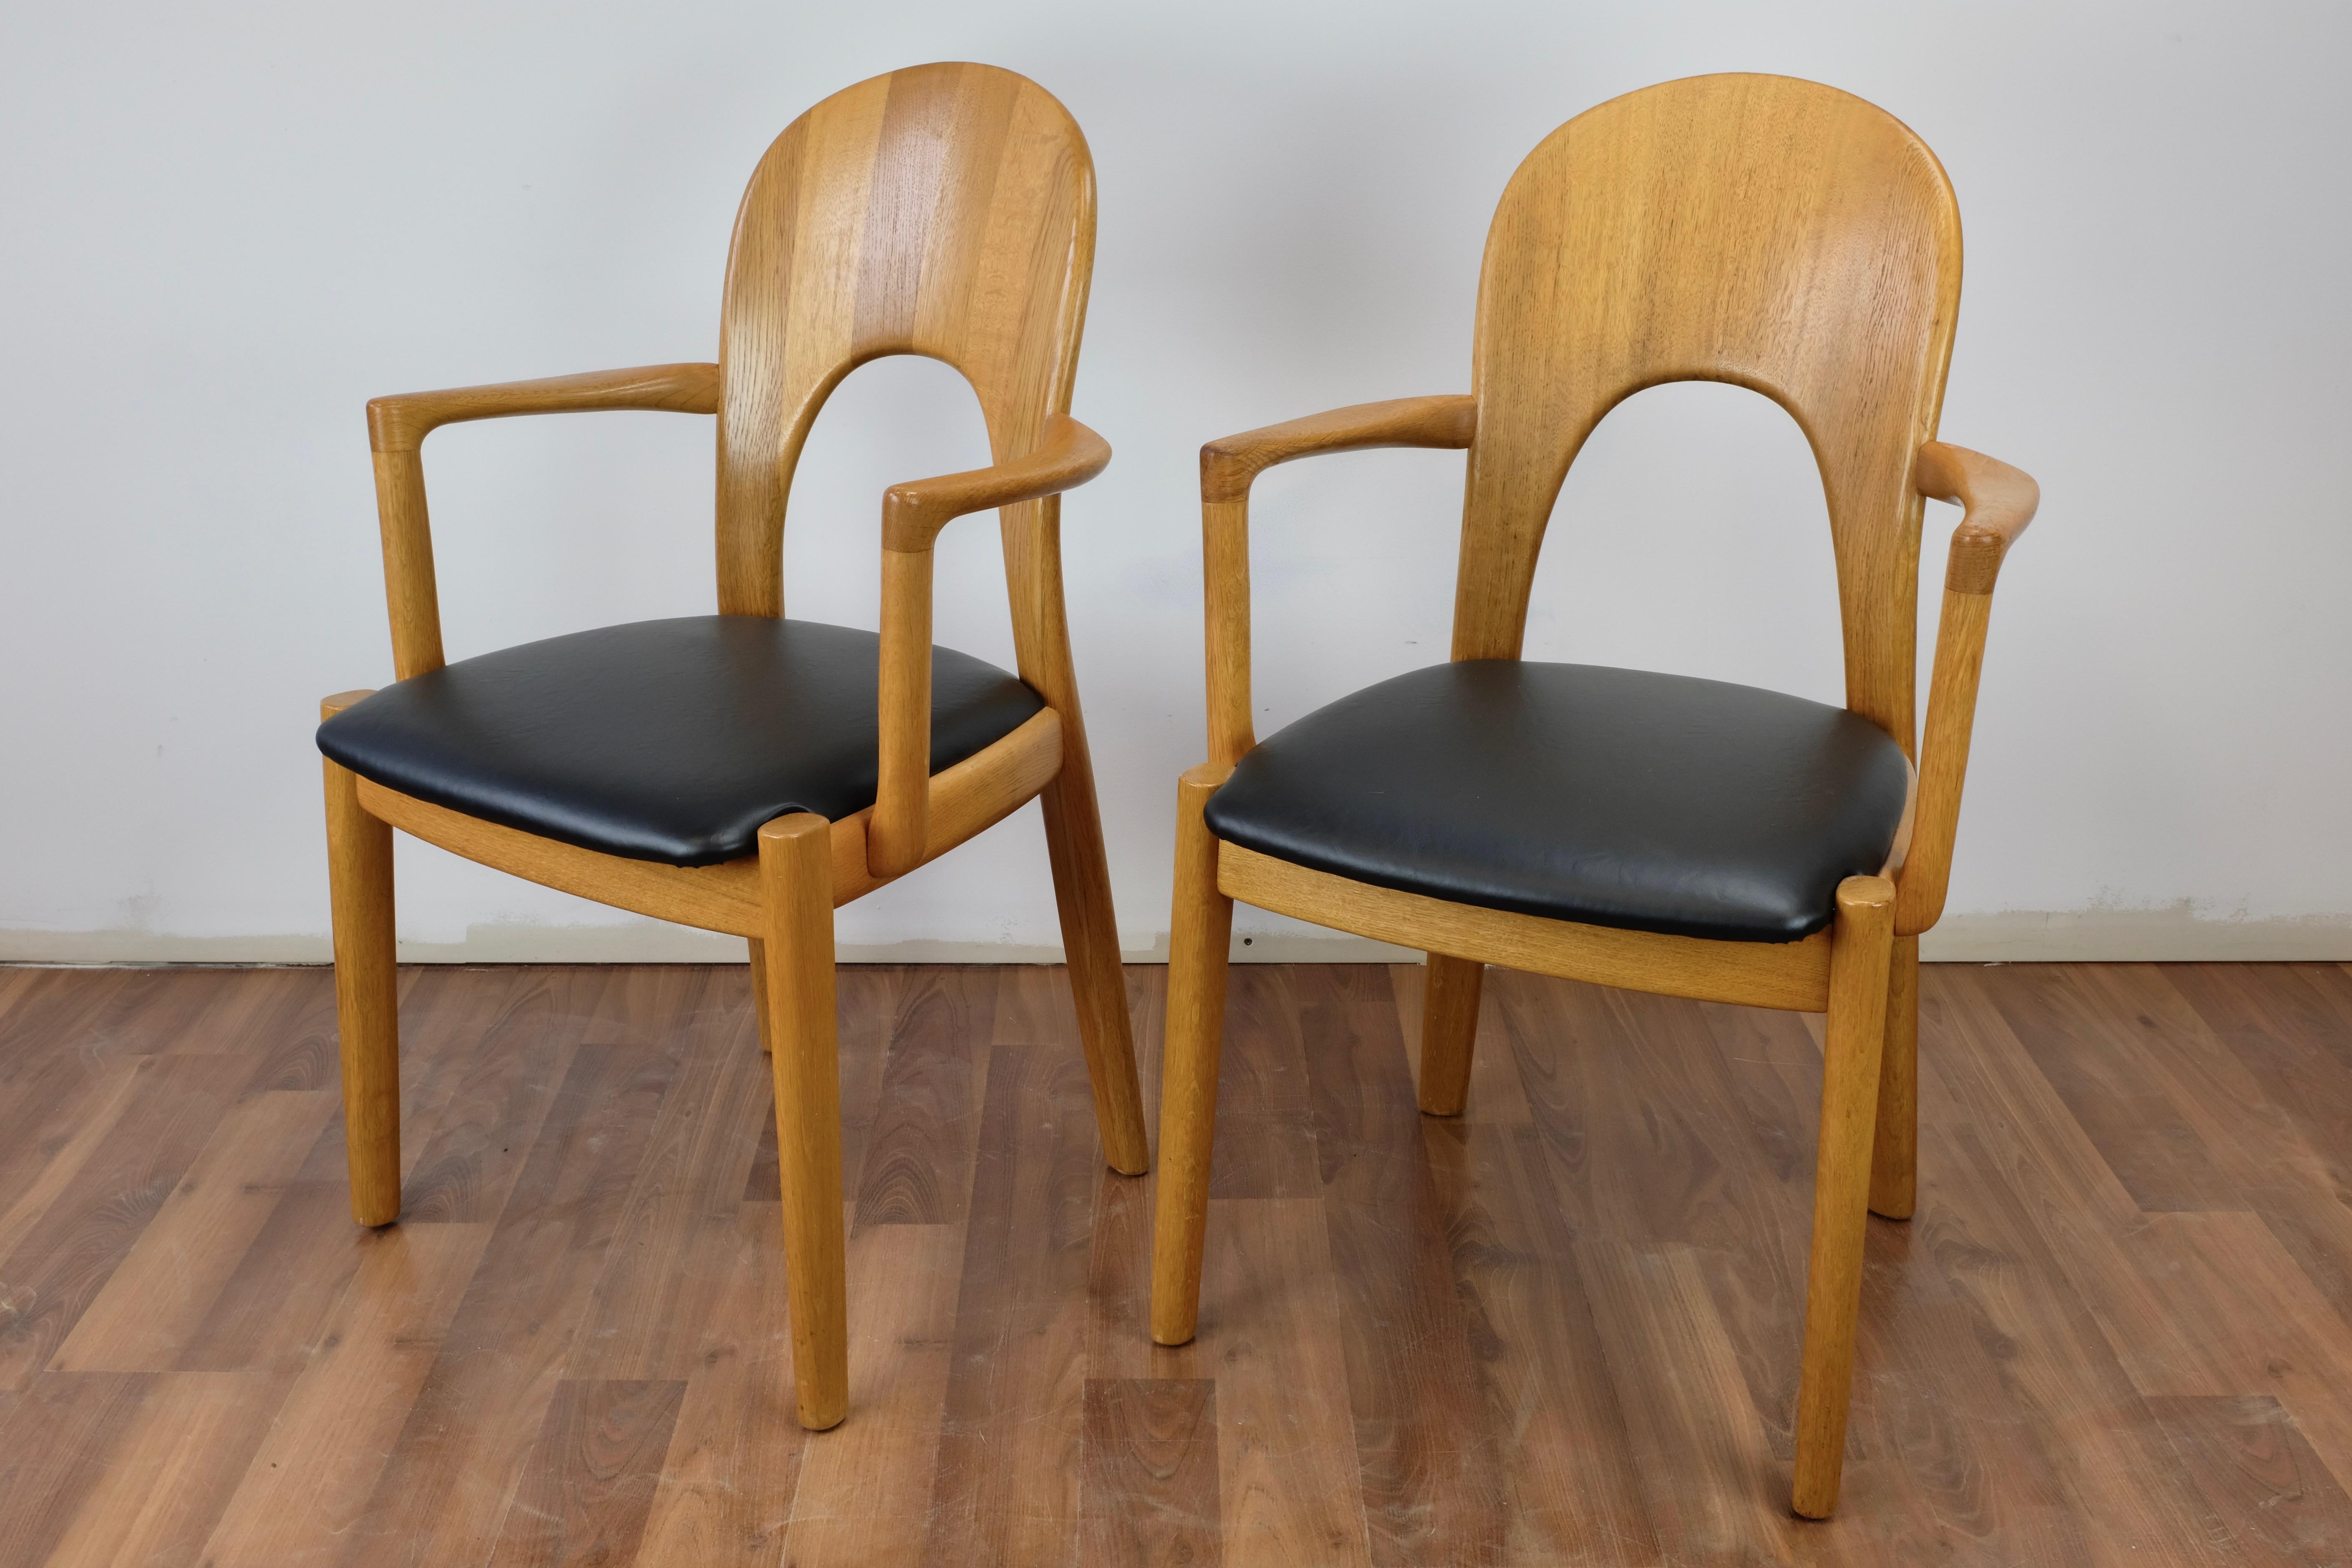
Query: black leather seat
point(666, 740)
point(1615, 798)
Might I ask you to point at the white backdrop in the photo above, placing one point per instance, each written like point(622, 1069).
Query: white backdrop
point(223, 227)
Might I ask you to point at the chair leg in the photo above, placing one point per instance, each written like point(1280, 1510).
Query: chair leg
point(1200, 945)
point(1895, 1153)
point(1073, 844)
point(796, 885)
point(367, 996)
point(1449, 1031)
point(760, 994)
point(1859, 956)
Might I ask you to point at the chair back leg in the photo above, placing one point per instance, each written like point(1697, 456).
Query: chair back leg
point(760, 994)
point(1861, 947)
point(1073, 844)
point(1200, 947)
point(1895, 1153)
point(1449, 1031)
point(796, 885)
point(367, 994)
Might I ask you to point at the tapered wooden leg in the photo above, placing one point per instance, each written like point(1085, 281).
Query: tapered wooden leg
point(367, 992)
point(760, 994)
point(1895, 1153)
point(1859, 958)
point(1200, 940)
point(1074, 843)
point(796, 884)
point(1449, 1031)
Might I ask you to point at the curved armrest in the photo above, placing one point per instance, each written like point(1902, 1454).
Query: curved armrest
point(398, 424)
point(914, 513)
point(1229, 465)
point(898, 835)
point(1998, 502)
point(401, 422)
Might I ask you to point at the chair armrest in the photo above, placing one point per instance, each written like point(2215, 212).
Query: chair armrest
point(1228, 467)
point(401, 422)
point(1998, 501)
point(398, 424)
point(914, 513)
point(898, 835)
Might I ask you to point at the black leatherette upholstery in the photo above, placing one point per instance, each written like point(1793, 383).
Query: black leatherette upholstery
point(669, 739)
point(1614, 797)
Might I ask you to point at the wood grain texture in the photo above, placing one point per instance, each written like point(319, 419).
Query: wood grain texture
point(1201, 934)
point(1855, 1031)
point(1795, 974)
point(1619, 259)
point(798, 948)
point(367, 1009)
point(1150, 1492)
point(2054, 1363)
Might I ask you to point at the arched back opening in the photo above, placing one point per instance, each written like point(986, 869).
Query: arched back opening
point(1690, 537)
point(894, 417)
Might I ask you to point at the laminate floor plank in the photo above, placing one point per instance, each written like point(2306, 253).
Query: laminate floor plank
point(1560, 1329)
point(1287, 1485)
point(1150, 1492)
point(172, 1474)
point(1570, 1490)
point(443, 1493)
point(590, 1477)
point(2084, 1045)
point(726, 1489)
point(62, 1260)
point(1427, 1444)
point(1266, 1142)
point(307, 1488)
point(917, 1161)
point(57, 1438)
point(863, 1491)
point(2266, 1488)
point(1013, 1434)
point(160, 1296)
point(2060, 1366)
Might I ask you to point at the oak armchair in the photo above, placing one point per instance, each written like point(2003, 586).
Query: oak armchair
point(741, 771)
point(1687, 836)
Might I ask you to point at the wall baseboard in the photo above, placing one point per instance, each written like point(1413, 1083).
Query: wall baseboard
point(2170, 935)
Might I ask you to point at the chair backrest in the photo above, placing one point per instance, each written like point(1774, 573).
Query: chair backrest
point(945, 210)
point(1772, 233)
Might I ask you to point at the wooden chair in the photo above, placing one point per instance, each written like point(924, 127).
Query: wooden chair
point(1684, 836)
point(741, 772)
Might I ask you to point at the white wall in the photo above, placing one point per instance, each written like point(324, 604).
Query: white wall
point(223, 228)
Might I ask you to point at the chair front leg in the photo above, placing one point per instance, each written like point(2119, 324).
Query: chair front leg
point(1859, 954)
point(796, 885)
point(1895, 1153)
point(367, 988)
point(1074, 845)
point(1199, 943)
point(1449, 1031)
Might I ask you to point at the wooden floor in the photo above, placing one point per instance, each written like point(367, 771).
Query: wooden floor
point(1563, 1330)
